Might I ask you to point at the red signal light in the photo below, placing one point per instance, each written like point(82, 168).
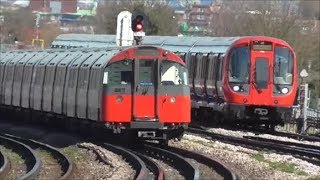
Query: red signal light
point(139, 27)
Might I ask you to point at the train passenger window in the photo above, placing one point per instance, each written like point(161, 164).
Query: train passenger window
point(204, 67)
point(239, 65)
point(120, 73)
point(283, 66)
point(212, 63)
point(173, 73)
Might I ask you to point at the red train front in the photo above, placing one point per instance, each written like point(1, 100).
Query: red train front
point(146, 93)
point(260, 82)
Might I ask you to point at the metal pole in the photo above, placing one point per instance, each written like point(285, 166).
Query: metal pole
point(121, 27)
point(305, 108)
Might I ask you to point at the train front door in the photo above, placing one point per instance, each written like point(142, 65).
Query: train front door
point(261, 72)
point(145, 89)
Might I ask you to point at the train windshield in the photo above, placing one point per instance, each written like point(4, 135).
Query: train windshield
point(119, 73)
point(239, 65)
point(173, 73)
point(283, 66)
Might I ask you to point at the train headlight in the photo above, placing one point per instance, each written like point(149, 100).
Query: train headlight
point(284, 90)
point(172, 99)
point(236, 88)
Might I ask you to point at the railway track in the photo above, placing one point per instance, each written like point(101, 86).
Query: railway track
point(275, 133)
point(31, 159)
point(156, 172)
point(214, 165)
point(306, 154)
point(186, 169)
point(295, 136)
point(306, 147)
point(4, 165)
point(137, 164)
point(67, 167)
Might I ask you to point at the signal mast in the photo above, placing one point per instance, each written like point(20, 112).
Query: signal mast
point(130, 31)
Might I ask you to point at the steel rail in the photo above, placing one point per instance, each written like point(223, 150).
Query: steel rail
point(307, 147)
point(215, 164)
point(186, 168)
point(297, 136)
point(275, 133)
point(152, 166)
point(130, 157)
point(66, 164)
point(257, 144)
point(32, 160)
point(4, 165)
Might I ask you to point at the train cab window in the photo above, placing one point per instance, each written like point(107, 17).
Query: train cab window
point(283, 66)
point(173, 73)
point(119, 73)
point(239, 65)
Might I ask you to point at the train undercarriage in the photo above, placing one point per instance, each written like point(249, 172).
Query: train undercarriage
point(239, 115)
point(143, 130)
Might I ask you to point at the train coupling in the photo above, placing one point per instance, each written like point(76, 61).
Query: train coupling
point(146, 134)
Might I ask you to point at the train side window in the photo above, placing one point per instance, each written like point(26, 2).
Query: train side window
point(120, 73)
point(173, 73)
point(191, 66)
point(37, 77)
point(204, 67)
point(72, 77)
point(220, 67)
point(211, 64)
point(198, 64)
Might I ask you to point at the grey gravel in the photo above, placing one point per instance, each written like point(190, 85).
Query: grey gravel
point(120, 168)
point(240, 160)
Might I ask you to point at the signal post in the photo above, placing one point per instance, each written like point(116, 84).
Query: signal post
point(130, 29)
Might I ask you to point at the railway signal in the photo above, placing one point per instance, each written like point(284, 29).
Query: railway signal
point(138, 28)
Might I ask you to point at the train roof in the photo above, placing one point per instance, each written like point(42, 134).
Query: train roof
point(181, 44)
point(60, 56)
point(172, 43)
point(78, 56)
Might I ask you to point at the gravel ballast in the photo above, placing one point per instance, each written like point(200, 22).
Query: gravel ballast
point(244, 161)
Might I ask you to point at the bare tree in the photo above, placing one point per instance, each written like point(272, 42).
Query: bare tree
point(15, 25)
point(159, 16)
point(310, 9)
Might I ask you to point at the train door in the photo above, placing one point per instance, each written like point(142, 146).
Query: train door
point(145, 89)
point(261, 86)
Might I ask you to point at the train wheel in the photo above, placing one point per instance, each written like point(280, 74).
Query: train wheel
point(272, 127)
point(164, 142)
point(195, 115)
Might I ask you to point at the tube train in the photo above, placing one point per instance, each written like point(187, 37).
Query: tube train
point(244, 80)
point(141, 90)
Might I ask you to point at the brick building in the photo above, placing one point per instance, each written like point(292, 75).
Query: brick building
point(54, 6)
point(201, 16)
